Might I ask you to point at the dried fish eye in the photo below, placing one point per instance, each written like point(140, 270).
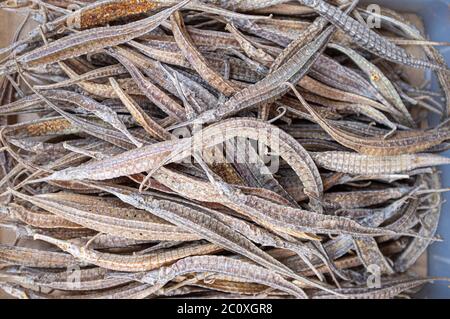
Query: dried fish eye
point(375, 77)
point(73, 7)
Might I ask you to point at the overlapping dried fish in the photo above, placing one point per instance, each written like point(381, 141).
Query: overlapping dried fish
point(162, 148)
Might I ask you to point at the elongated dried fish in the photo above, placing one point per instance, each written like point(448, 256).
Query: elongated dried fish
point(217, 149)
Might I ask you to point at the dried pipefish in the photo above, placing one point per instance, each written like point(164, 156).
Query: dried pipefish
point(109, 70)
point(378, 79)
point(129, 291)
point(129, 263)
point(151, 126)
point(355, 163)
point(431, 52)
point(218, 264)
point(410, 142)
point(253, 52)
point(103, 12)
point(37, 219)
point(35, 257)
point(195, 58)
point(222, 234)
point(428, 226)
point(266, 90)
point(119, 222)
point(389, 290)
point(89, 41)
point(167, 104)
point(367, 38)
point(90, 279)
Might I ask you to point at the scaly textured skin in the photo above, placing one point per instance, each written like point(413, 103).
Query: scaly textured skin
point(159, 74)
point(357, 199)
point(255, 174)
point(306, 36)
point(264, 31)
point(320, 89)
point(89, 279)
point(406, 142)
point(174, 56)
point(253, 52)
point(110, 70)
point(245, 5)
point(35, 257)
point(126, 163)
point(241, 288)
point(201, 190)
point(292, 220)
point(354, 163)
point(131, 263)
point(289, 149)
point(105, 241)
point(99, 89)
point(392, 290)
point(90, 41)
point(370, 254)
point(221, 265)
point(38, 219)
point(41, 127)
point(150, 125)
point(428, 228)
point(21, 104)
point(100, 130)
point(344, 78)
point(26, 231)
point(379, 80)
point(129, 291)
point(343, 107)
point(365, 37)
point(266, 238)
point(195, 58)
point(126, 222)
point(318, 225)
point(199, 223)
point(351, 261)
point(101, 111)
point(431, 52)
point(154, 94)
point(132, 162)
point(268, 89)
point(103, 12)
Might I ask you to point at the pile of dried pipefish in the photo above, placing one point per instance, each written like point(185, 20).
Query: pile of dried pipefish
point(270, 149)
